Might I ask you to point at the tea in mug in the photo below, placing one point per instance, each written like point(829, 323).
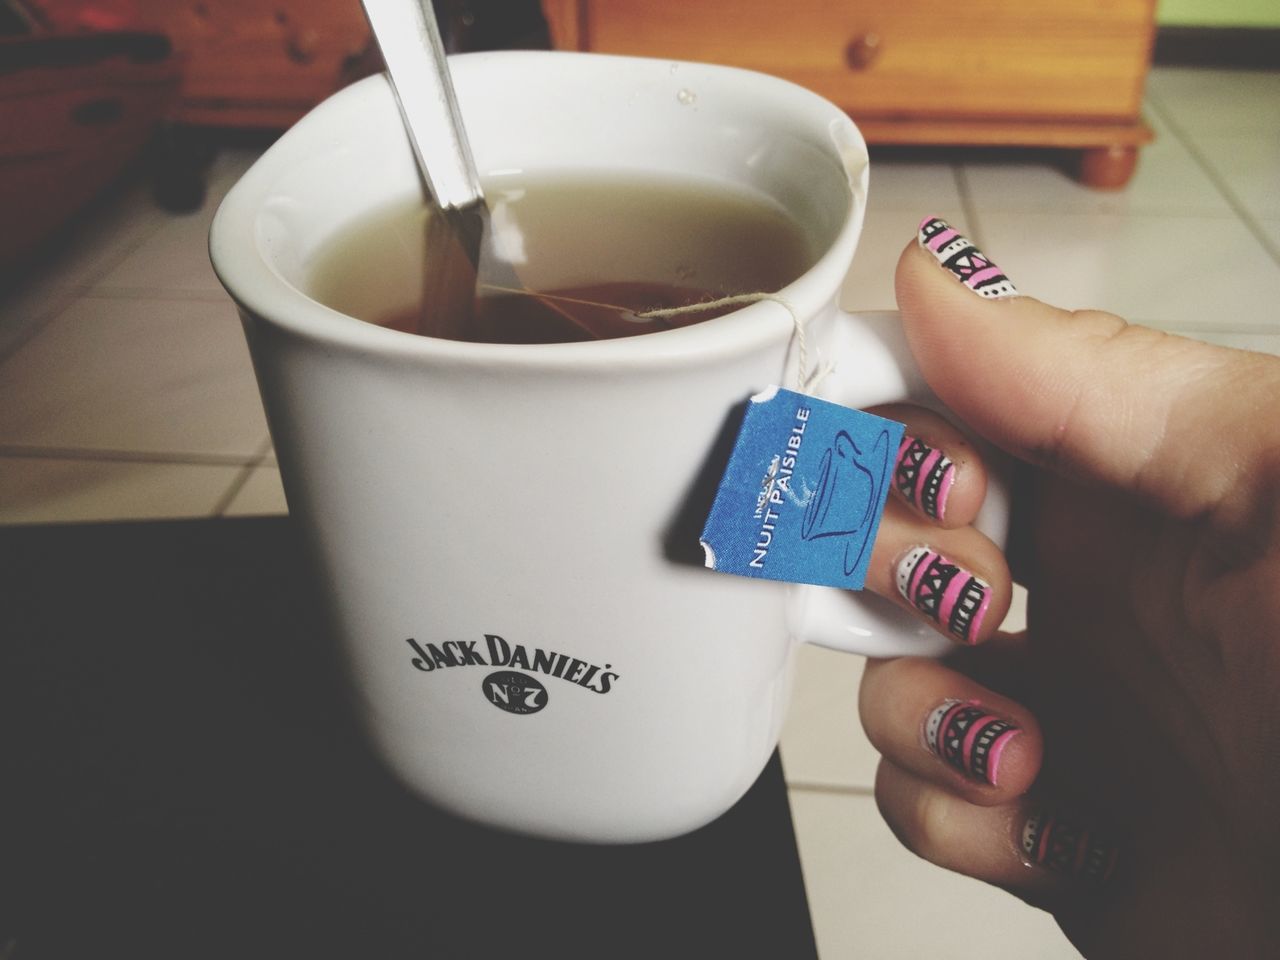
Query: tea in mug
point(590, 257)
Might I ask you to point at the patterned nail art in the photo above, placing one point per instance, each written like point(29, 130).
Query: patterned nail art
point(924, 476)
point(949, 594)
point(969, 738)
point(969, 265)
point(1069, 846)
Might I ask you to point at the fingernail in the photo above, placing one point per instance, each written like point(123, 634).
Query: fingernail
point(924, 476)
point(965, 261)
point(969, 738)
point(1068, 845)
point(940, 589)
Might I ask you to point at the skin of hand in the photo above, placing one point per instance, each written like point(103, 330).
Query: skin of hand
point(1147, 685)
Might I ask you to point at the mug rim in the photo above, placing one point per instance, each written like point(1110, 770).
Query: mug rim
point(260, 291)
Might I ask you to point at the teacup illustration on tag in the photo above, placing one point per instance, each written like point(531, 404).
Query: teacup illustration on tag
point(848, 494)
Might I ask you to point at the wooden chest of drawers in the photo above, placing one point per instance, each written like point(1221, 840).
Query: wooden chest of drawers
point(249, 63)
point(1027, 72)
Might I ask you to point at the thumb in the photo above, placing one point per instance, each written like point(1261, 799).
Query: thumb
point(1177, 422)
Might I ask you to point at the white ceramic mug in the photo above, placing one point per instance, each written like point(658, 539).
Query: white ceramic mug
point(509, 533)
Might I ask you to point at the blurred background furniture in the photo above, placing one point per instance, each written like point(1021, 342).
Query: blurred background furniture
point(85, 85)
point(246, 63)
point(982, 72)
point(75, 110)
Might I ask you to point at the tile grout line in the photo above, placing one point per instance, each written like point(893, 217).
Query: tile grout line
point(79, 291)
point(156, 293)
point(229, 495)
point(241, 481)
point(967, 205)
point(1242, 212)
point(61, 303)
point(32, 452)
point(801, 786)
point(1244, 328)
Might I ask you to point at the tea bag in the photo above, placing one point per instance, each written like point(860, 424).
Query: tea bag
point(418, 72)
point(451, 269)
point(598, 311)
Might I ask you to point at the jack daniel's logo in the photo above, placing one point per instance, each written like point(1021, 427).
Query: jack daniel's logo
point(514, 692)
point(511, 691)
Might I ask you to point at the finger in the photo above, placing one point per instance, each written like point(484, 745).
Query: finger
point(938, 472)
point(943, 727)
point(1175, 421)
point(1025, 847)
point(956, 580)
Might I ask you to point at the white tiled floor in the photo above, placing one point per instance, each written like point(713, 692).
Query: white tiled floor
point(125, 392)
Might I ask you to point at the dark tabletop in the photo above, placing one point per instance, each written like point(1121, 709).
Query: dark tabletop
point(179, 778)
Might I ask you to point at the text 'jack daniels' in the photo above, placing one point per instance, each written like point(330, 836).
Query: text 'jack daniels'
point(497, 652)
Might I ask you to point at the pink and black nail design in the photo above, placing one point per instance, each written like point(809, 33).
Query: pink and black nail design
point(969, 738)
point(1069, 846)
point(923, 476)
point(949, 594)
point(969, 265)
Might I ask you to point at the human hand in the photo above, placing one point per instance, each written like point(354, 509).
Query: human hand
point(1119, 763)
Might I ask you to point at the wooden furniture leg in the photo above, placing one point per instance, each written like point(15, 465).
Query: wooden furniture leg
point(182, 155)
point(1108, 168)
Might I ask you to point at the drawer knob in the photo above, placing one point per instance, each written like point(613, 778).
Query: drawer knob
point(98, 113)
point(301, 45)
point(863, 50)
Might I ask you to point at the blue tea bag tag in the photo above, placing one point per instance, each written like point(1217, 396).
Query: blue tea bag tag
point(802, 496)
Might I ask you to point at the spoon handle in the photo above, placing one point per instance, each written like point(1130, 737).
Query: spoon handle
point(407, 34)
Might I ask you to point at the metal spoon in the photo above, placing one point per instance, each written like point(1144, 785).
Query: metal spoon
point(409, 38)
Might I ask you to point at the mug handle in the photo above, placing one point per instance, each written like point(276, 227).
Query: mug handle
point(885, 372)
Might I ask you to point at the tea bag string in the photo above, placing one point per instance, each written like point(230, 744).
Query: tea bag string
point(806, 381)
